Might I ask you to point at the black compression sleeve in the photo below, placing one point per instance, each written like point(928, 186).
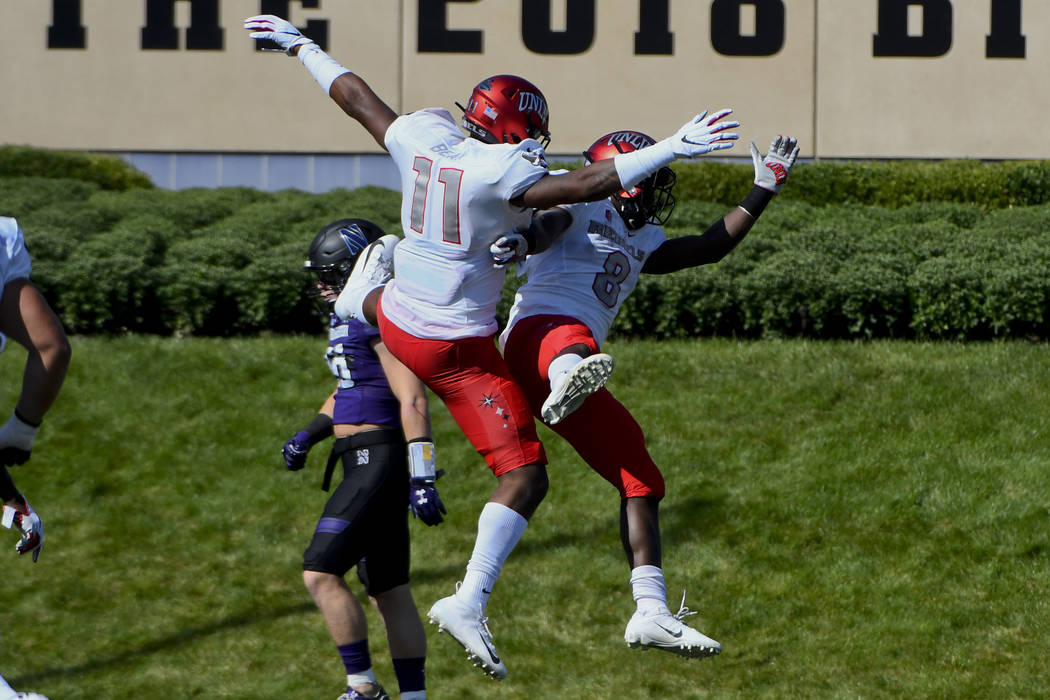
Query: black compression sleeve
point(319, 428)
point(755, 201)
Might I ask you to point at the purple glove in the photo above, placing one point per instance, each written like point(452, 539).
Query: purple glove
point(424, 500)
point(295, 451)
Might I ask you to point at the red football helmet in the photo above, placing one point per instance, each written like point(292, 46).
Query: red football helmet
point(650, 201)
point(506, 109)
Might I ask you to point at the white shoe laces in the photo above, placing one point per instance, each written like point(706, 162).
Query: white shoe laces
point(683, 611)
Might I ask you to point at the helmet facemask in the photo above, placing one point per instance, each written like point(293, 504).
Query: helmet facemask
point(650, 201)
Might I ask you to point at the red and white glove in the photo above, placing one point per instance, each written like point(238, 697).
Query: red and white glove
point(280, 31)
point(23, 518)
point(772, 170)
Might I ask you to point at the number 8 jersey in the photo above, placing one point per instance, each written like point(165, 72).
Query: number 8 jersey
point(456, 194)
point(588, 271)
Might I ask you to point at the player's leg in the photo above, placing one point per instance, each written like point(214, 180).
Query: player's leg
point(469, 375)
point(26, 318)
point(340, 540)
point(385, 573)
point(618, 453)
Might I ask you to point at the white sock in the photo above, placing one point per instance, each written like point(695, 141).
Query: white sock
point(414, 695)
point(649, 589)
point(359, 679)
point(499, 529)
point(559, 368)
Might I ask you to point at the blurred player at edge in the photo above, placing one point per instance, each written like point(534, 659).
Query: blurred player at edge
point(438, 317)
point(26, 318)
point(562, 315)
point(365, 521)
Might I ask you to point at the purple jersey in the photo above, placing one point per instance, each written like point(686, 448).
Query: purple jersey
point(363, 394)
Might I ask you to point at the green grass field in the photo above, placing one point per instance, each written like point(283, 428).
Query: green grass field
point(851, 520)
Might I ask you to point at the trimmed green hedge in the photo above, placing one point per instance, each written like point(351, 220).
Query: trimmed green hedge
point(108, 172)
point(849, 250)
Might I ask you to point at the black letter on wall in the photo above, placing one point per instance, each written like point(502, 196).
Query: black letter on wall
point(204, 33)
point(654, 35)
point(536, 27)
point(769, 28)
point(434, 36)
point(1006, 39)
point(893, 40)
point(66, 31)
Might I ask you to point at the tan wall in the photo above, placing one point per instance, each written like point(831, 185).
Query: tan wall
point(824, 85)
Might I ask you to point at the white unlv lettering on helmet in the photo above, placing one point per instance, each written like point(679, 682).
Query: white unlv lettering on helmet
point(529, 101)
point(632, 138)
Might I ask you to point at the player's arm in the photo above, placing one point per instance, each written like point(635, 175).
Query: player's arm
point(349, 91)
point(771, 172)
point(545, 228)
point(702, 134)
point(423, 496)
point(26, 318)
point(298, 447)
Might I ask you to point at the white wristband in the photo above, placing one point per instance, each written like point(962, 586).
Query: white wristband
point(637, 165)
point(322, 67)
point(421, 460)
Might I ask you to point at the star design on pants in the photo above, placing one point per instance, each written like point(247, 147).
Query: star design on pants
point(488, 401)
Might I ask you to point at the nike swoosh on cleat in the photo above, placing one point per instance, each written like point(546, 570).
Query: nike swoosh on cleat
point(491, 651)
point(676, 635)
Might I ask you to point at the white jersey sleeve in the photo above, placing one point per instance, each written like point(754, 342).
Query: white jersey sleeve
point(14, 259)
point(456, 194)
point(588, 271)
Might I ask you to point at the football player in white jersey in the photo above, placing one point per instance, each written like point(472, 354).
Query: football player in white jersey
point(460, 191)
point(26, 318)
point(559, 320)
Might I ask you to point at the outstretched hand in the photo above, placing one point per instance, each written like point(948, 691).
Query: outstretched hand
point(280, 31)
point(703, 134)
point(772, 170)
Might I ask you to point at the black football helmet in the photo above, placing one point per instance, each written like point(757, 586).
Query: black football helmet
point(335, 248)
point(651, 200)
point(507, 109)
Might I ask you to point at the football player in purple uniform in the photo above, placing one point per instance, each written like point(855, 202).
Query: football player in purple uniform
point(377, 406)
point(562, 315)
point(459, 191)
point(26, 318)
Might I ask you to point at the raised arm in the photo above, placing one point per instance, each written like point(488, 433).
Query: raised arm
point(771, 173)
point(702, 134)
point(348, 90)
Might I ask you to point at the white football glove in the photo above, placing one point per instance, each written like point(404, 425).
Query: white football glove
point(25, 519)
point(771, 172)
point(703, 134)
point(278, 30)
point(509, 248)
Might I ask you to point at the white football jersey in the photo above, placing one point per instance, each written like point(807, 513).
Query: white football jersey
point(456, 194)
point(14, 260)
point(588, 271)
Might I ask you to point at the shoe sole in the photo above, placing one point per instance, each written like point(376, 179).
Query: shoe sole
point(492, 673)
point(586, 378)
point(697, 652)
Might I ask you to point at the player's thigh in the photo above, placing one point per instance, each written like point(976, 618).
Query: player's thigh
point(26, 317)
point(346, 530)
point(608, 438)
